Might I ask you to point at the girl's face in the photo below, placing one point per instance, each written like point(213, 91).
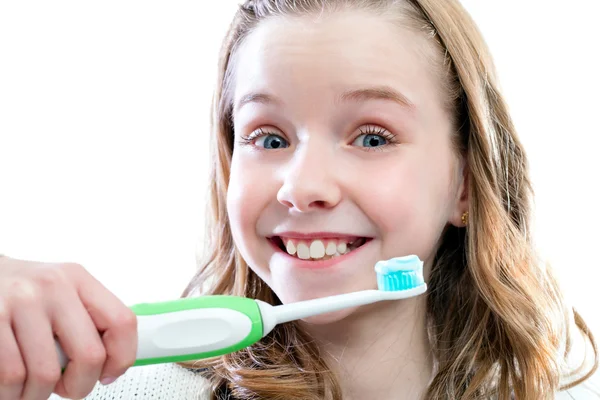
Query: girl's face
point(342, 145)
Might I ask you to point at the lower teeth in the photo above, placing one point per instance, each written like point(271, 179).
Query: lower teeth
point(325, 257)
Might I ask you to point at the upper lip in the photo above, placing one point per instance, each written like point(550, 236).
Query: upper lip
point(316, 235)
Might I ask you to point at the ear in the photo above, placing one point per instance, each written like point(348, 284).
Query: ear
point(461, 202)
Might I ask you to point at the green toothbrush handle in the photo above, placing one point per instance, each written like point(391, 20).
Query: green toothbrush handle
point(193, 328)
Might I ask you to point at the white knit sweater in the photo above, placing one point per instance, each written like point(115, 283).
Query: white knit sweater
point(153, 382)
point(172, 382)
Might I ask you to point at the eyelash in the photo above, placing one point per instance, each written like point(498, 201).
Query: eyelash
point(379, 131)
point(249, 140)
point(368, 130)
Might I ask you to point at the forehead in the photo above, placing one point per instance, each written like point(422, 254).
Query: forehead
point(335, 53)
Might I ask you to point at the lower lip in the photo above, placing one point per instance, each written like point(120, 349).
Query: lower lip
point(298, 262)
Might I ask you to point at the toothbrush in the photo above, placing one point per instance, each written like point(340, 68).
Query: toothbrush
point(208, 326)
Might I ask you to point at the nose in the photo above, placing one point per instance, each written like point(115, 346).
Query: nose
point(309, 181)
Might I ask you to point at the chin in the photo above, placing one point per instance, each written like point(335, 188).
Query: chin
point(330, 318)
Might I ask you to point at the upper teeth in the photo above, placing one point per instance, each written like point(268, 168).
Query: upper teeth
point(315, 248)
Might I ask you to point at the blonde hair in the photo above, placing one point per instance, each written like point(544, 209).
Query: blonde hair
point(497, 322)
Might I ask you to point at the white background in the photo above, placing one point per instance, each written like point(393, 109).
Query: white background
point(104, 112)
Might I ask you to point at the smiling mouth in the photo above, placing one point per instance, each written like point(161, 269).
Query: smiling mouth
point(318, 249)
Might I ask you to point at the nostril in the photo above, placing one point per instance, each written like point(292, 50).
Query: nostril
point(287, 204)
point(308, 198)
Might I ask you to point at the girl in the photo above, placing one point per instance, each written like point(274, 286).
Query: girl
point(345, 132)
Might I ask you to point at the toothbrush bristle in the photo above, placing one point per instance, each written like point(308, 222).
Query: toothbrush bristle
point(401, 280)
point(401, 273)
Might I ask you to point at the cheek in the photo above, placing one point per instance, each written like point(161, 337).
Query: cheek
point(238, 215)
point(408, 202)
point(247, 196)
point(396, 201)
point(235, 197)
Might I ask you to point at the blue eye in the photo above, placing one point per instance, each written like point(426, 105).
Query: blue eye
point(374, 138)
point(370, 140)
point(271, 141)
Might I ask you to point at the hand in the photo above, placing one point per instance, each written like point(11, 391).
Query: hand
point(41, 301)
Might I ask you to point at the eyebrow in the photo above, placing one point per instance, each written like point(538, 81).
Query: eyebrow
point(376, 93)
point(261, 98)
point(356, 95)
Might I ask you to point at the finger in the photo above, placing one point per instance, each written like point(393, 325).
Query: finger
point(115, 320)
point(12, 368)
point(81, 343)
point(34, 336)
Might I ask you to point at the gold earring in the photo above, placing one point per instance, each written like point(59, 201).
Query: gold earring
point(465, 218)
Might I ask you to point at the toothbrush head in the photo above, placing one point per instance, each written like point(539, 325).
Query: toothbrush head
point(400, 273)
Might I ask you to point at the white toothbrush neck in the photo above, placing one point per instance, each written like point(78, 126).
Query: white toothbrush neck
point(309, 308)
point(273, 315)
